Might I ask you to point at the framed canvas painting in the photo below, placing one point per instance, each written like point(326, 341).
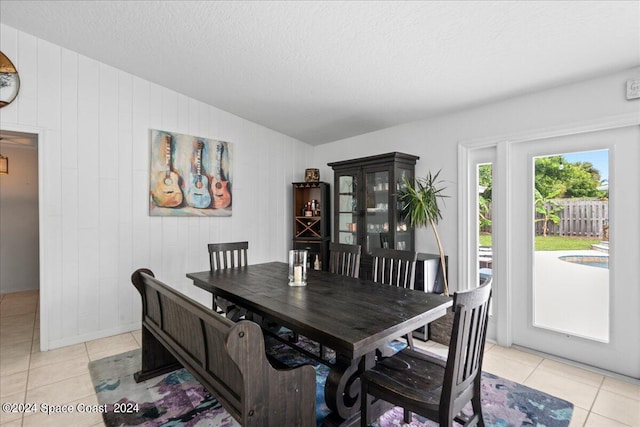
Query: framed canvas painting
point(189, 175)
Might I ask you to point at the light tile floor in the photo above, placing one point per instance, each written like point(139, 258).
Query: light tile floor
point(61, 376)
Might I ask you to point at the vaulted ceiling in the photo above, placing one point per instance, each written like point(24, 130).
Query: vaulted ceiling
point(321, 71)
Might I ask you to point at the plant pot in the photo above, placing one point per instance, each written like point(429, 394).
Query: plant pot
point(440, 329)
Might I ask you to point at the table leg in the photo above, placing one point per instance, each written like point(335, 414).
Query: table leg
point(342, 390)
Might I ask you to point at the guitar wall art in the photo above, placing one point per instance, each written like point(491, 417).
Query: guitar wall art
point(189, 175)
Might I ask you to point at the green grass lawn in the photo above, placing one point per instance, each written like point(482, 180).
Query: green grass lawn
point(552, 243)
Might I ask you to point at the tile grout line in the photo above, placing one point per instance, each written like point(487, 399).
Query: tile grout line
point(574, 377)
point(534, 370)
point(612, 392)
point(44, 385)
point(615, 391)
point(594, 402)
point(33, 335)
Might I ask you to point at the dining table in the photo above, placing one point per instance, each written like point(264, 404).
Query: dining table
point(354, 317)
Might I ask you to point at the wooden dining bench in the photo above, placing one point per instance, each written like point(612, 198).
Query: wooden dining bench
point(227, 358)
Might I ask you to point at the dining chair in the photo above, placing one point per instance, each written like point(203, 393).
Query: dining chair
point(396, 268)
point(344, 259)
point(384, 240)
point(221, 257)
point(431, 387)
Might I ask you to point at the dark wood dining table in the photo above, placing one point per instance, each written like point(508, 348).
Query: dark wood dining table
point(354, 317)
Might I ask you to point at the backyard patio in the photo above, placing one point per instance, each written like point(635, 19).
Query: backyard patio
point(571, 297)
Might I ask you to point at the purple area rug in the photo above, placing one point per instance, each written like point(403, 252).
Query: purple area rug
point(178, 400)
point(504, 404)
point(174, 399)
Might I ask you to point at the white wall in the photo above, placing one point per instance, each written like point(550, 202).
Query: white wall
point(94, 123)
point(436, 139)
point(19, 263)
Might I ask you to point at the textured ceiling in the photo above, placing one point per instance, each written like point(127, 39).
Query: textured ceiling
point(324, 71)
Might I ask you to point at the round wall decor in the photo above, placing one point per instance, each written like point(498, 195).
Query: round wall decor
point(9, 81)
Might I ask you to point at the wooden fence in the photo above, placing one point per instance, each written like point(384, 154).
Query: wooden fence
point(579, 217)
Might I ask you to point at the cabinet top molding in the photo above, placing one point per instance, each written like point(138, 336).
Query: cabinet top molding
point(314, 184)
point(379, 158)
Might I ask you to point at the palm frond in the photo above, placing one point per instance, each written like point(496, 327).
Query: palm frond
point(419, 198)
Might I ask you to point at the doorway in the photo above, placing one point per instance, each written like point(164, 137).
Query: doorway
point(30, 138)
point(548, 303)
point(19, 247)
point(480, 225)
point(548, 320)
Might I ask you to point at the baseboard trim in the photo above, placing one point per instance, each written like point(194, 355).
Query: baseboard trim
point(92, 336)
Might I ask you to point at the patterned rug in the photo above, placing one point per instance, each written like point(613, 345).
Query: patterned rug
point(178, 400)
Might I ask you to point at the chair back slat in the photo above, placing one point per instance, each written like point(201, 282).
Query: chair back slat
point(464, 362)
point(344, 259)
point(221, 257)
point(394, 267)
point(227, 255)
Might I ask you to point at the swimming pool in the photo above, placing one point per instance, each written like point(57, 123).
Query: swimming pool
point(599, 261)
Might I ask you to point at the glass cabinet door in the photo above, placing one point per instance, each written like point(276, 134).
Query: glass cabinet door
point(347, 209)
point(366, 211)
point(376, 219)
point(404, 236)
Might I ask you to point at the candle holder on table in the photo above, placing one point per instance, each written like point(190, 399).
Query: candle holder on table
point(298, 267)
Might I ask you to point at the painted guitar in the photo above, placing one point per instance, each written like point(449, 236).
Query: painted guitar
point(167, 192)
point(198, 191)
point(220, 188)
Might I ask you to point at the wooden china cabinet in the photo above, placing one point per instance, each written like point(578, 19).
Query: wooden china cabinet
point(366, 207)
point(311, 221)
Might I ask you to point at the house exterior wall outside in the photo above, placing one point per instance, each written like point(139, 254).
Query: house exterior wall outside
point(94, 123)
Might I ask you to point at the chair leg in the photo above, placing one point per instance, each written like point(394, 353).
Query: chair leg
point(468, 422)
point(473, 420)
point(477, 409)
point(409, 337)
point(407, 416)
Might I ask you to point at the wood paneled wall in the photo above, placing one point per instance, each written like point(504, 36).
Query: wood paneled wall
point(94, 123)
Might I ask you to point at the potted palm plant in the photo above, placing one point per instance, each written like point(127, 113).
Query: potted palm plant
point(420, 208)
